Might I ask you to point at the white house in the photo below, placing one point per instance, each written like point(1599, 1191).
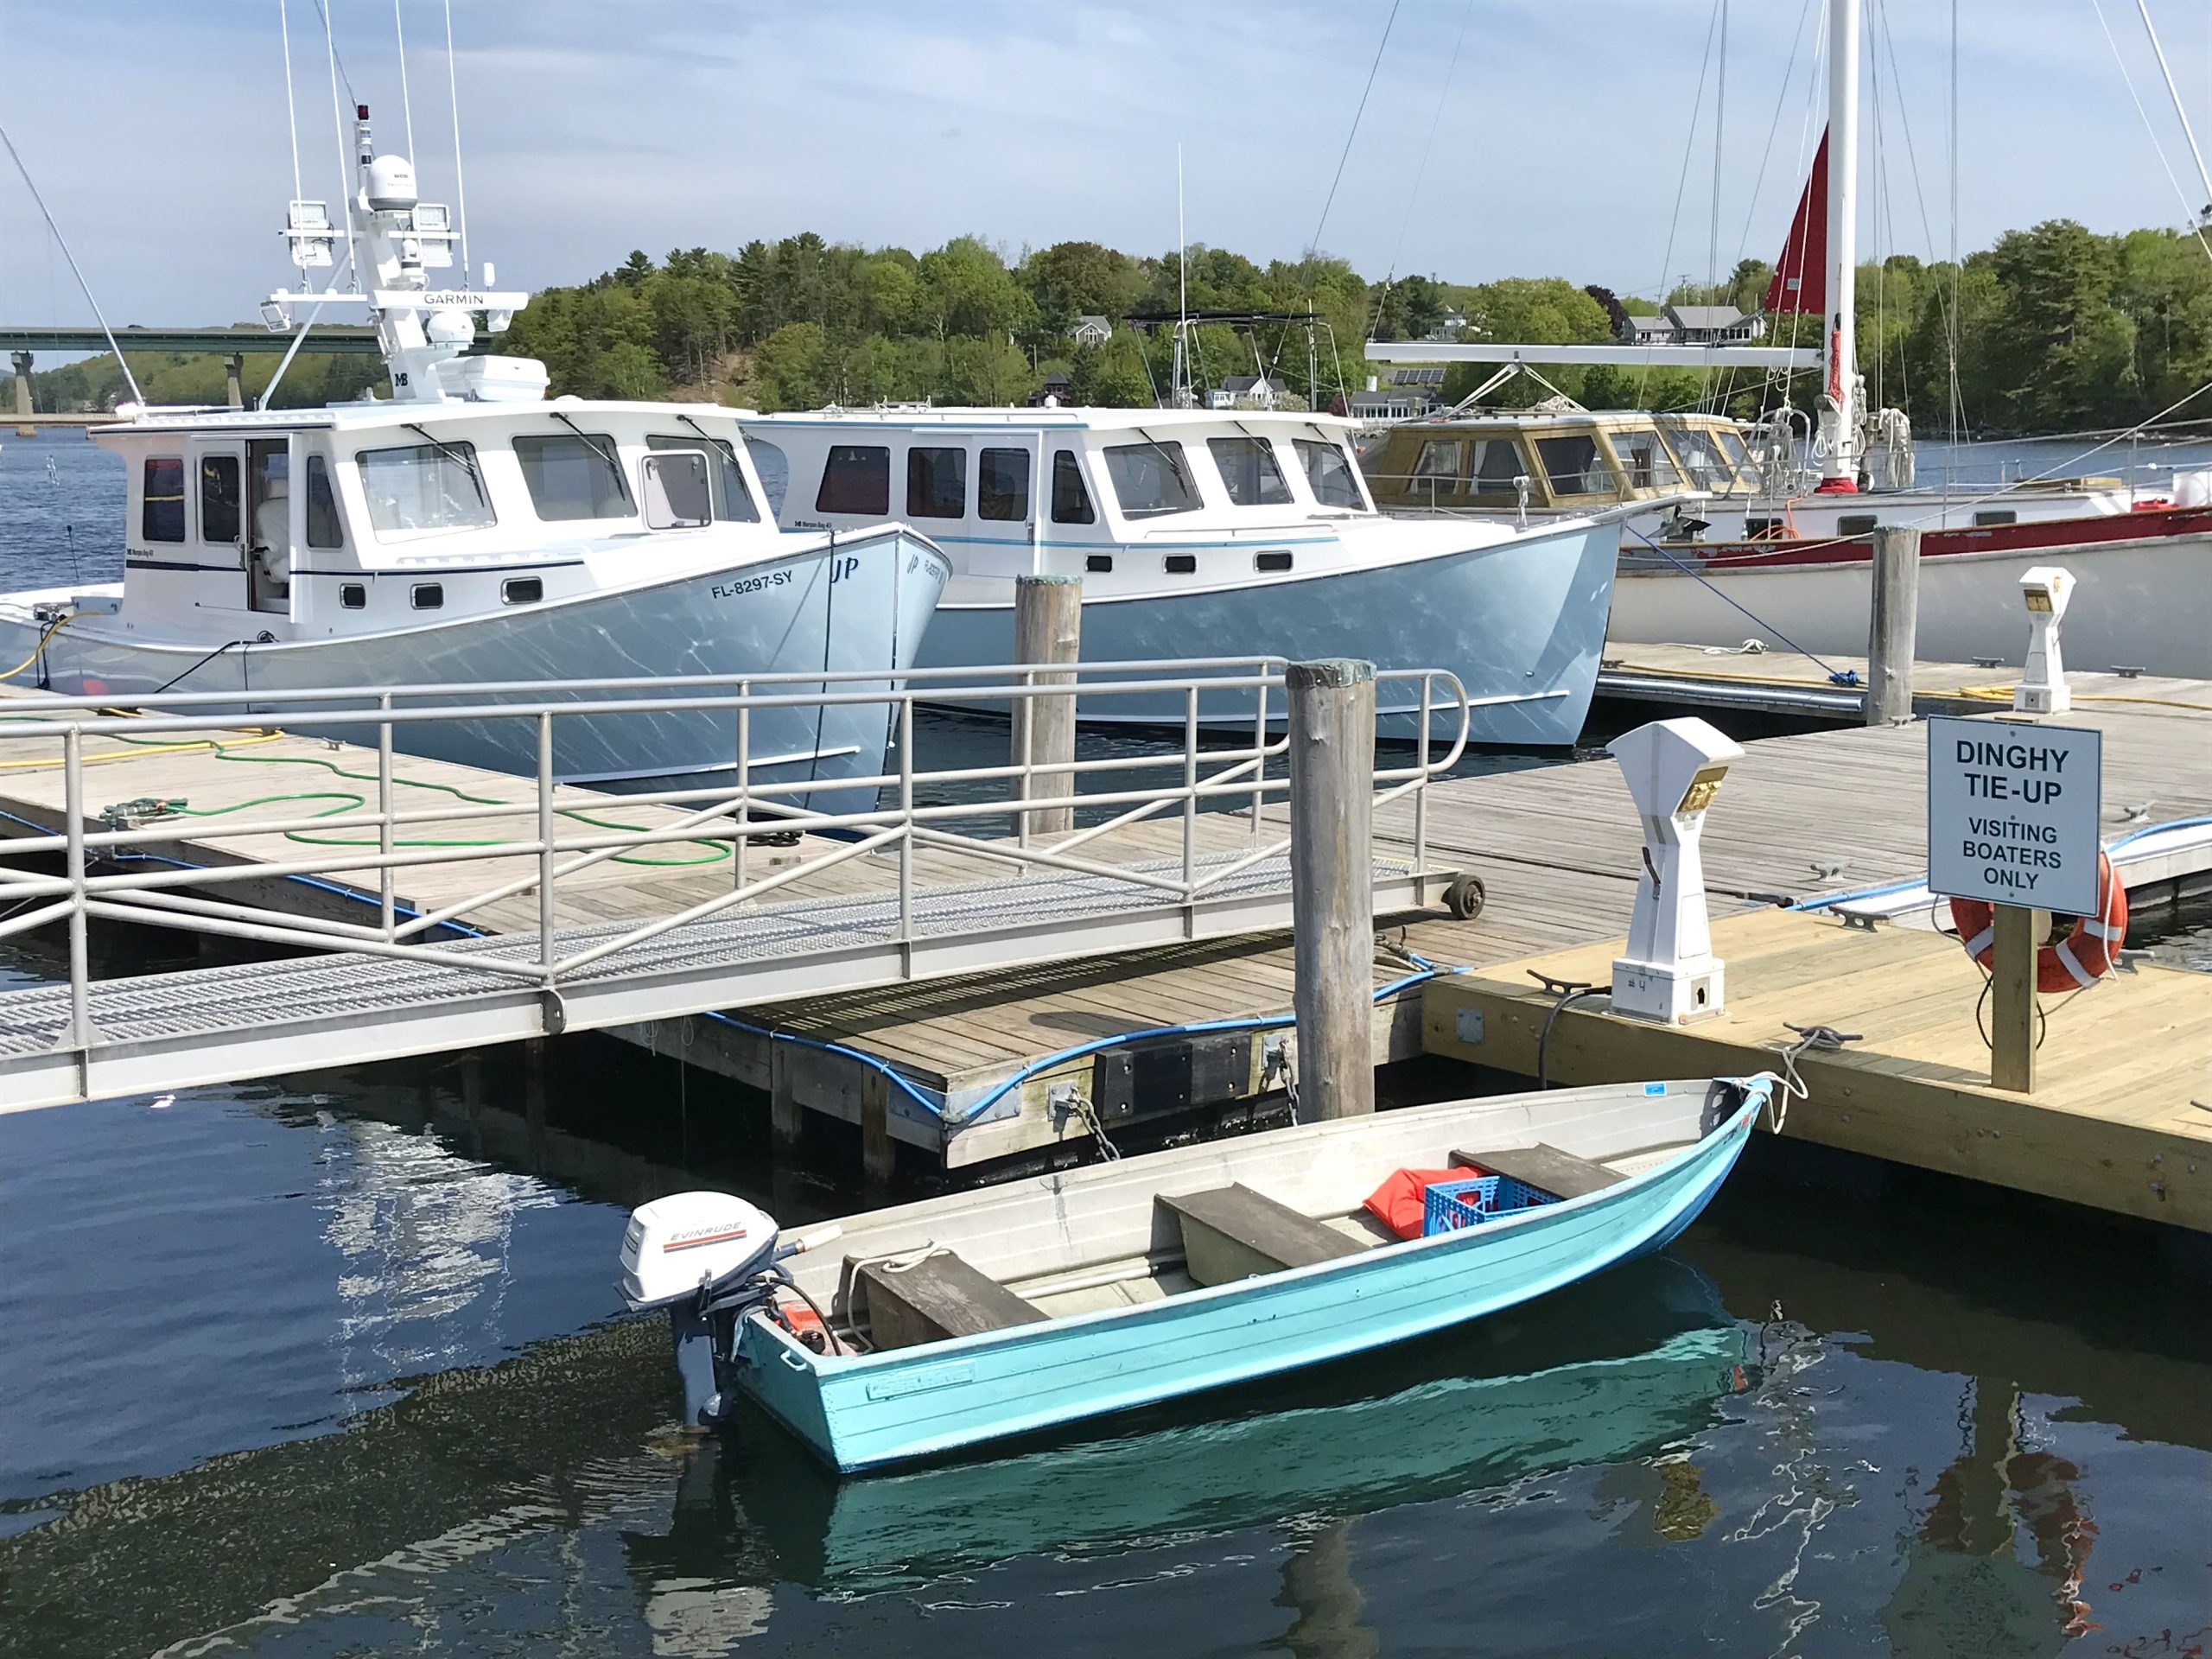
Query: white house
point(1248, 391)
point(1090, 330)
point(1697, 325)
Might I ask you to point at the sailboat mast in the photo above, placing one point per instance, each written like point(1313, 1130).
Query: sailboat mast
point(1839, 405)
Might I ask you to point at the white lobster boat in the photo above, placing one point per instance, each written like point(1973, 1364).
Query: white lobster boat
point(467, 531)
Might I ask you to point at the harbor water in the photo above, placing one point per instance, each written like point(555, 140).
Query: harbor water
point(333, 1364)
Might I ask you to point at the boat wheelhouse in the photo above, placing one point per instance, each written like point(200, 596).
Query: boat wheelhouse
point(1200, 533)
point(467, 531)
point(1760, 539)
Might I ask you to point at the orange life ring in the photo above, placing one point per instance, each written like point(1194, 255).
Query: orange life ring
point(2081, 958)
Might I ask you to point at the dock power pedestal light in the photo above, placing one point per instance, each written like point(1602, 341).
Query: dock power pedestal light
point(1673, 768)
point(2041, 690)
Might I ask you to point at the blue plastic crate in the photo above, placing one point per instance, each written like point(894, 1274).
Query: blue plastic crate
point(1446, 1205)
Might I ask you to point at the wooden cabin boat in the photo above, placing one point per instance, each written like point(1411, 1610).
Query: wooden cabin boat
point(1762, 545)
point(965, 1319)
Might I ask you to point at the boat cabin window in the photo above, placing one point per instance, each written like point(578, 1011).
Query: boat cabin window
point(1249, 472)
point(1150, 480)
point(1439, 466)
point(733, 501)
point(856, 478)
point(1271, 561)
point(1644, 459)
point(1855, 523)
point(161, 509)
point(1002, 484)
point(775, 469)
point(424, 487)
point(428, 596)
point(1070, 495)
point(937, 483)
point(1181, 564)
point(573, 476)
point(1099, 563)
point(324, 527)
point(219, 499)
point(352, 596)
point(1329, 473)
point(522, 590)
point(1711, 458)
point(1997, 516)
point(673, 485)
point(1573, 465)
point(1497, 463)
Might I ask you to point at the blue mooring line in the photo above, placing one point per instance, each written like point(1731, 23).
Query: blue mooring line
point(934, 1106)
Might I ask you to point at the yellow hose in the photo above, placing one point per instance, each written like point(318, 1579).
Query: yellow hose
point(36, 649)
point(145, 748)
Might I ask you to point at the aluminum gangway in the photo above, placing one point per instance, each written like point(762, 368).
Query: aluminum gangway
point(896, 875)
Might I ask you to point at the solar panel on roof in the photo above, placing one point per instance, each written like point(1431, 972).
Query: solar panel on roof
point(1421, 376)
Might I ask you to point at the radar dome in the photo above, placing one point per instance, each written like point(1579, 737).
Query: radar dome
point(391, 184)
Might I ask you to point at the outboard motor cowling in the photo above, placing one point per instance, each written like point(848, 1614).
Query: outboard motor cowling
point(711, 1260)
point(707, 1258)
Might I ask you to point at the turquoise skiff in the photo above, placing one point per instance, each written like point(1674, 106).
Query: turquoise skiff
point(1066, 1297)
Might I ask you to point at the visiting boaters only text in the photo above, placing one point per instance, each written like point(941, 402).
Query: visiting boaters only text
point(2013, 811)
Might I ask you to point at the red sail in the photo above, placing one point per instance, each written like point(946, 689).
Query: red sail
point(1800, 275)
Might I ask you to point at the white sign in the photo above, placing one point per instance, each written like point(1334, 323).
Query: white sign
point(2013, 809)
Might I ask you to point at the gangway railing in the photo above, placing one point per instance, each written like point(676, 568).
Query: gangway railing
point(715, 941)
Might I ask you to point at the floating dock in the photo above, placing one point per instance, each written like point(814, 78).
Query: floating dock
point(1013, 1057)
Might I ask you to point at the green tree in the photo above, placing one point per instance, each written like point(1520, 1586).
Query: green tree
point(788, 368)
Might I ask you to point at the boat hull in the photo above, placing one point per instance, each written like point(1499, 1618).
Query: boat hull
point(862, 605)
point(866, 1412)
point(1522, 621)
point(2134, 604)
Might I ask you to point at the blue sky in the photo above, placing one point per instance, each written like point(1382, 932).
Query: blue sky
point(158, 130)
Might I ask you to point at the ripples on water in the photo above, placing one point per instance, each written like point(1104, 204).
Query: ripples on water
point(328, 1366)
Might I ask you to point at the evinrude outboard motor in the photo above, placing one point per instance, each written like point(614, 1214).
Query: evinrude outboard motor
point(711, 1260)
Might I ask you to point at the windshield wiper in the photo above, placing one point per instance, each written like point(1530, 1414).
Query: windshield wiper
point(468, 461)
point(606, 455)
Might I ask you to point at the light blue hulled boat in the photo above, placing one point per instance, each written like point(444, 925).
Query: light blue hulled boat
point(1066, 1297)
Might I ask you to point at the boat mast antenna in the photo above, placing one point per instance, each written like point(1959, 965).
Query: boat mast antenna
point(62, 242)
point(1179, 395)
point(459, 187)
point(406, 103)
point(291, 107)
point(338, 123)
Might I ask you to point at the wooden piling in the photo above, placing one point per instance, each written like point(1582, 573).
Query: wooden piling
point(1332, 883)
point(2012, 1000)
point(1892, 624)
point(878, 1155)
point(784, 1116)
point(1047, 628)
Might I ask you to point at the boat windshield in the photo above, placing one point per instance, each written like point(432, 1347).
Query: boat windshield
point(1574, 465)
point(725, 477)
point(1707, 464)
point(1249, 472)
point(424, 487)
point(574, 475)
point(1150, 480)
point(1644, 459)
point(1331, 474)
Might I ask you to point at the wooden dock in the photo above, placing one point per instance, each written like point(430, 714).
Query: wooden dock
point(1784, 682)
point(1557, 847)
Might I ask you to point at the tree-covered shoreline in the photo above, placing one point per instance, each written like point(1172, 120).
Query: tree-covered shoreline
point(2052, 329)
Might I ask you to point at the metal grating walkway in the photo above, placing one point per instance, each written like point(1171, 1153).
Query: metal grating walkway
point(166, 1031)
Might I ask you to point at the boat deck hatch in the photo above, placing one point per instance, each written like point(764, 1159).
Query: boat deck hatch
point(940, 1295)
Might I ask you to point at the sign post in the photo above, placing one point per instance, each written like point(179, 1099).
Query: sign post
point(2013, 811)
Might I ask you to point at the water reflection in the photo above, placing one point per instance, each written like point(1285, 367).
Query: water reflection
point(1612, 1371)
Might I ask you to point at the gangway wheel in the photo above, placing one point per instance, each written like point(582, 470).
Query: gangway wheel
point(1465, 897)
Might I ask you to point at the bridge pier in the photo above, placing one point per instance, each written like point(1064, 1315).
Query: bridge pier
point(233, 367)
point(23, 410)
